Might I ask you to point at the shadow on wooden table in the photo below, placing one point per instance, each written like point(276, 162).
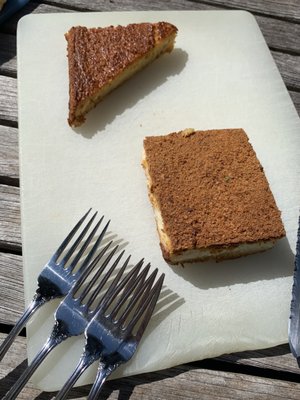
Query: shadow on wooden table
point(280, 350)
point(124, 386)
point(167, 303)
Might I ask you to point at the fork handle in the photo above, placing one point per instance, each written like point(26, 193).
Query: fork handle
point(24, 378)
point(104, 370)
point(84, 362)
point(37, 302)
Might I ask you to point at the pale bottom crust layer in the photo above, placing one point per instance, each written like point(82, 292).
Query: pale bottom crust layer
point(217, 253)
point(85, 106)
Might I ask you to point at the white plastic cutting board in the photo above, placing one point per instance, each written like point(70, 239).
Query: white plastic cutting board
point(220, 75)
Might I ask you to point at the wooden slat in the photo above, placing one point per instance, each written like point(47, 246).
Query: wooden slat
point(11, 368)
point(296, 100)
point(277, 358)
point(9, 158)
point(125, 5)
point(32, 7)
point(179, 383)
point(10, 230)
point(280, 35)
point(11, 288)
point(103, 5)
point(8, 54)
point(8, 100)
point(289, 67)
point(279, 8)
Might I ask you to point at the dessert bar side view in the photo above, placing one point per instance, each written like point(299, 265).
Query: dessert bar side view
point(210, 196)
point(100, 59)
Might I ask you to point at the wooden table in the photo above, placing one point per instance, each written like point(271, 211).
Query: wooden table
point(265, 374)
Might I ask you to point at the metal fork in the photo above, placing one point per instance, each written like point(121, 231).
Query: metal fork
point(56, 279)
point(115, 331)
point(74, 312)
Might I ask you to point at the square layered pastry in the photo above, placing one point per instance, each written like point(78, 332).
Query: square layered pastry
point(210, 195)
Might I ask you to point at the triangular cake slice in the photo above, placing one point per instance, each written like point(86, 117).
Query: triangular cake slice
point(100, 59)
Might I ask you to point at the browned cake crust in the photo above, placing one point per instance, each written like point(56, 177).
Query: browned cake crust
point(98, 55)
point(210, 190)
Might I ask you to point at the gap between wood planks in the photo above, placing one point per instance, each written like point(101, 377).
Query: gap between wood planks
point(13, 249)
point(227, 366)
point(8, 122)
point(6, 180)
point(5, 328)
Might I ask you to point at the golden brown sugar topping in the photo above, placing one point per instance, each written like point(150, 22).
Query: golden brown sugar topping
point(97, 55)
point(211, 189)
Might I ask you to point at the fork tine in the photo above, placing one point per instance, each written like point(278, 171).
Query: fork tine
point(115, 281)
point(132, 284)
point(140, 292)
point(77, 241)
point(145, 321)
point(89, 269)
point(110, 295)
point(69, 237)
point(94, 248)
point(146, 306)
point(88, 289)
point(82, 248)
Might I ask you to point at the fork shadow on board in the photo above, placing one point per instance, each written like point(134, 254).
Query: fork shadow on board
point(275, 263)
point(122, 388)
point(130, 93)
point(167, 303)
